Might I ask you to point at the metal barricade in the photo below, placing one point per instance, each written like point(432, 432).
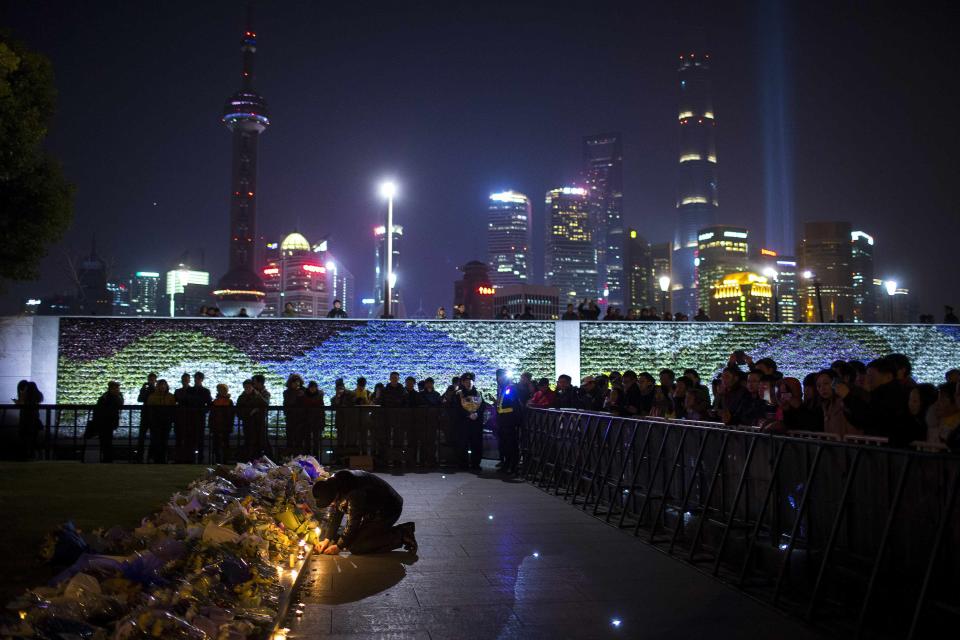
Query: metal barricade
point(403, 437)
point(858, 537)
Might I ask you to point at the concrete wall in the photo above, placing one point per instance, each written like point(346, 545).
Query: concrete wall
point(28, 351)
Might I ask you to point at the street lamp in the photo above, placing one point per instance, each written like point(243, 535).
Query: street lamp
point(388, 189)
point(891, 287)
point(665, 287)
point(809, 275)
point(771, 273)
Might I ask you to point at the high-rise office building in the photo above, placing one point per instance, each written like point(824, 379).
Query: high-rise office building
point(297, 277)
point(603, 177)
point(571, 263)
point(786, 288)
point(781, 271)
point(542, 302)
point(826, 276)
point(509, 222)
point(245, 115)
point(380, 256)
point(697, 188)
point(662, 254)
point(186, 291)
point(145, 293)
point(721, 250)
point(120, 298)
point(638, 271)
point(742, 297)
point(861, 265)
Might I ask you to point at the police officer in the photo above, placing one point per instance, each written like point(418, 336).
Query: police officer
point(508, 422)
point(471, 422)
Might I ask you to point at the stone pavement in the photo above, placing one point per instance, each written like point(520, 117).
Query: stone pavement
point(502, 559)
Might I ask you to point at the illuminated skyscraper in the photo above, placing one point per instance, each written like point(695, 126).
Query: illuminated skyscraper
point(186, 291)
point(721, 250)
point(661, 254)
point(296, 276)
point(861, 265)
point(571, 263)
point(697, 178)
point(603, 174)
point(245, 114)
point(742, 297)
point(380, 254)
point(145, 293)
point(638, 271)
point(508, 238)
point(825, 257)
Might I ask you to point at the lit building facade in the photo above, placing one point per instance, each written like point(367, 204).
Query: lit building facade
point(246, 116)
point(296, 276)
point(120, 298)
point(662, 254)
point(742, 297)
point(543, 302)
point(825, 256)
point(145, 293)
point(186, 291)
point(380, 268)
point(571, 263)
point(861, 275)
point(475, 291)
point(603, 177)
point(787, 286)
point(639, 271)
point(697, 188)
point(721, 250)
point(509, 227)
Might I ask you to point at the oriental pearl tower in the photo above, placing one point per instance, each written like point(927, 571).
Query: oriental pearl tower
point(245, 115)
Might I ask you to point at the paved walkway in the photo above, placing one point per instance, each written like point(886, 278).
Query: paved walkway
point(505, 560)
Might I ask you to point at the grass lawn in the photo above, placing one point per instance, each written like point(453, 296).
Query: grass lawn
point(35, 497)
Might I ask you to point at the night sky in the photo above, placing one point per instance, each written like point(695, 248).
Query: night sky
point(456, 100)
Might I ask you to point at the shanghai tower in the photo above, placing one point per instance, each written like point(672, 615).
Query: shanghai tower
point(245, 115)
point(697, 176)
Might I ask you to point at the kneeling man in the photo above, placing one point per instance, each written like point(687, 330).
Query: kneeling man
point(372, 508)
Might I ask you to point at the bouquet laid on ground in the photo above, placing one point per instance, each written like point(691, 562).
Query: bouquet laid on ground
point(212, 563)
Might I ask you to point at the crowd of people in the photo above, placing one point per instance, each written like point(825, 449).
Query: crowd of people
point(850, 398)
point(878, 399)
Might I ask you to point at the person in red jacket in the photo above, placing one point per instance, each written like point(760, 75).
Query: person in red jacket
point(544, 395)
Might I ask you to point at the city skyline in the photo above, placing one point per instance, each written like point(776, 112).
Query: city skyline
point(427, 207)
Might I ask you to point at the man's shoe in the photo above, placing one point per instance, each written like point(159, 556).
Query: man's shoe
point(407, 537)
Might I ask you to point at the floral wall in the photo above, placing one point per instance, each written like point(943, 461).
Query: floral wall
point(93, 351)
point(798, 349)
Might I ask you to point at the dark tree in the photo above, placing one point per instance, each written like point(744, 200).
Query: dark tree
point(36, 202)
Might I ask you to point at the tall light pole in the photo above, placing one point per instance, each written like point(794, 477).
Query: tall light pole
point(810, 275)
point(388, 189)
point(891, 287)
point(771, 273)
point(665, 287)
